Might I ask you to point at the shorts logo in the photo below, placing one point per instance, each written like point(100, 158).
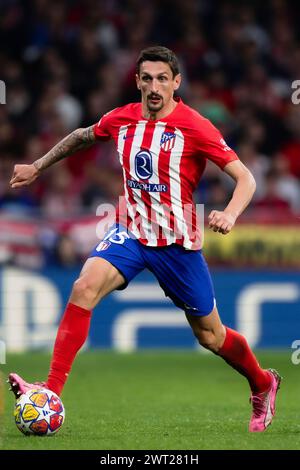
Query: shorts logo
point(167, 141)
point(187, 307)
point(103, 245)
point(143, 164)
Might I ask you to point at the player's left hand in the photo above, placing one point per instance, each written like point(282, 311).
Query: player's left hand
point(221, 221)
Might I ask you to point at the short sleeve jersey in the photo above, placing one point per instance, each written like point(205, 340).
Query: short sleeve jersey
point(162, 162)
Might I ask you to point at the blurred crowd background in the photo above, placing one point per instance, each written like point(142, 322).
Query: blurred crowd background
point(65, 63)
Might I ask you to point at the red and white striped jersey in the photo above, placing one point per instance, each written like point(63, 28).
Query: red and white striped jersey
point(162, 162)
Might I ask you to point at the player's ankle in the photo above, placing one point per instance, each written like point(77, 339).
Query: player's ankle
point(263, 386)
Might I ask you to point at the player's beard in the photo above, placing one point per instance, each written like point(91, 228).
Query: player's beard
point(152, 106)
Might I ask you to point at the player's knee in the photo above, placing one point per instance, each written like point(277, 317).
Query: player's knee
point(207, 339)
point(86, 292)
point(210, 339)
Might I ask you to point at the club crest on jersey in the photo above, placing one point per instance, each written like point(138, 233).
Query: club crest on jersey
point(167, 141)
point(143, 165)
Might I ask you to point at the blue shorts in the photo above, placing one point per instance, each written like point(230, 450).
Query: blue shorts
point(182, 274)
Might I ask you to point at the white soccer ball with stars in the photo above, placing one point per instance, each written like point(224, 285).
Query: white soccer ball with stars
point(39, 412)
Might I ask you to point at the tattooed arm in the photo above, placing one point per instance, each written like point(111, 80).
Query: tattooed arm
point(79, 139)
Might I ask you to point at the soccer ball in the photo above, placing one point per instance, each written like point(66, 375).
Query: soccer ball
point(39, 412)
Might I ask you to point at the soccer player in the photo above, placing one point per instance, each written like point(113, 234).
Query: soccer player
point(163, 145)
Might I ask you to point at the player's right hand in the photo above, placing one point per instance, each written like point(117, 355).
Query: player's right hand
point(23, 175)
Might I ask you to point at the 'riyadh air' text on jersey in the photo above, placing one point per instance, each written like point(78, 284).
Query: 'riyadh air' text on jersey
point(162, 162)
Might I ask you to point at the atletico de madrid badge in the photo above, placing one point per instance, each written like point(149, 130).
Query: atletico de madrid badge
point(103, 245)
point(167, 141)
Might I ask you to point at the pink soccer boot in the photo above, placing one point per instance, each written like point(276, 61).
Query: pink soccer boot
point(263, 405)
point(18, 386)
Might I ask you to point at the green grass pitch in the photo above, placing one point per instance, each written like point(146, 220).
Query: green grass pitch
point(156, 400)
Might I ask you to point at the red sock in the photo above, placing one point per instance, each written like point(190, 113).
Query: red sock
point(72, 333)
point(238, 354)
